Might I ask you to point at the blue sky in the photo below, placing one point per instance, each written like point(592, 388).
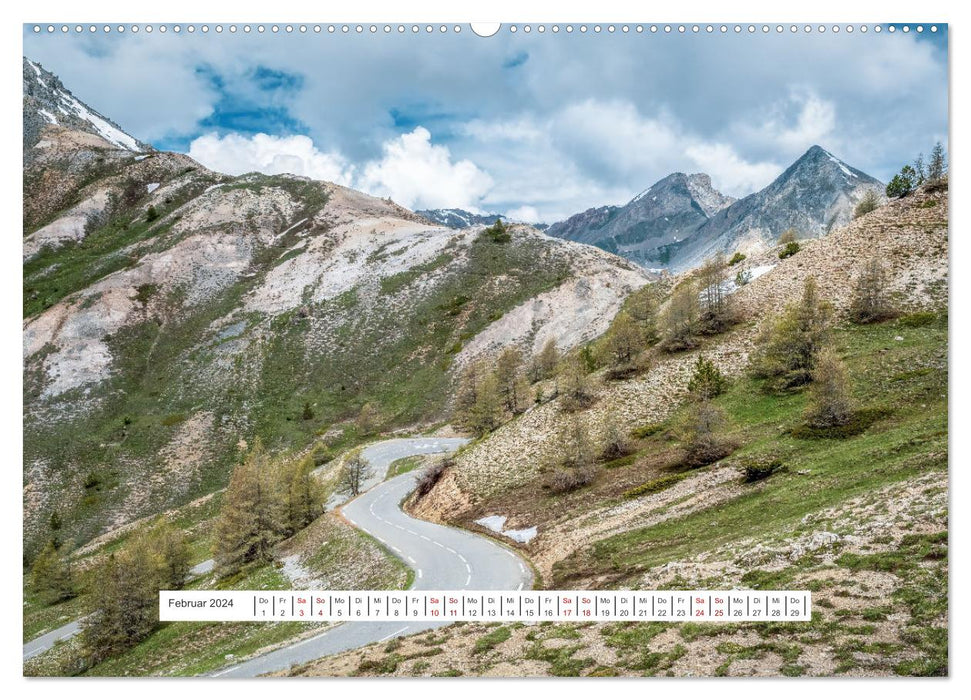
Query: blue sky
point(537, 125)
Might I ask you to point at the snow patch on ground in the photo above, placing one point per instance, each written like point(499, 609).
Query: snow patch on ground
point(493, 522)
point(496, 523)
point(152, 186)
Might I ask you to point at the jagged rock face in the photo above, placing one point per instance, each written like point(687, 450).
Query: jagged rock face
point(160, 296)
point(814, 195)
point(681, 219)
point(48, 102)
point(458, 218)
point(667, 213)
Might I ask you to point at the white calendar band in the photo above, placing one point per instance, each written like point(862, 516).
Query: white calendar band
point(490, 606)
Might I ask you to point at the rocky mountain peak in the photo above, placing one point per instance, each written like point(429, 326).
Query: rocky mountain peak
point(48, 102)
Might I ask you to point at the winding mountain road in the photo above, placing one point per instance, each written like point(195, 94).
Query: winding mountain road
point(443, 558)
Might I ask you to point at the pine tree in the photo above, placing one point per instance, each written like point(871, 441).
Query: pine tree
point(249, 522)
point(125, 601)
point(867, 203)
point(510, 380)
point(545, 363)
point(624, 341)
point(485, 415)
point(937, 167)
point(575, 385)
point(716, 314)
point(679, 321)
point(920, 170)
point(51, 576)
point(700, 431)
point(707, 382)
point(355, 474)
point(788, 349)
point(303, 495)
point(871, 295)
point(830, 403)
point(173, 553)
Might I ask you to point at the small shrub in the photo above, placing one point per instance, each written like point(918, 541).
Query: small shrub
point(498, 232)
point(707, 382)
point(759, 468)
point(646, 431)
point(790, 249)
point(568, 479)
point(830, 405)
point(701, 440)
point(858, 423)
point(151, 214)
point(656, 485)
point(871, 295)
point(918, 319)
point(867, 203)
point(737, 258)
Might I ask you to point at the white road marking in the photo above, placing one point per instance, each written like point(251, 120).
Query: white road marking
point(468, 579)
point(520, 586)
point(427, 539)
point(439, 544)
point(462, 558)
point(384, 639)
point(451, 550)
point(468, 568)
point(412, 560)
point(419, 573)
point(522, 568)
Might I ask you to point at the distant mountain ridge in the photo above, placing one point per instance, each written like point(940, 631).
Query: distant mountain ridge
point(458, 218)
point(666, 213)
point(682, 219)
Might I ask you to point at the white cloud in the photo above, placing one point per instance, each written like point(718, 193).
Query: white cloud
point(412, 171)
point(527, 214)
point(235, 154)
point(420, 175)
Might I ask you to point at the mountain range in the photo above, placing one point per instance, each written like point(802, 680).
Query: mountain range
point(171, 314)
point(682, 219)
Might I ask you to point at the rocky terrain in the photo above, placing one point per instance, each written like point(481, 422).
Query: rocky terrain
point(681, 220)
point(170, 311)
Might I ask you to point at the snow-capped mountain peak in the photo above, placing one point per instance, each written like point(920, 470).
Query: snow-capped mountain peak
point(47, 101)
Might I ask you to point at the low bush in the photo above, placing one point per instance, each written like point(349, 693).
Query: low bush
point(790, 249)
point(570, 479)
point(759, 468)
point(858, 423)
point(646, 431)
point(737, 258)
point(656, 485)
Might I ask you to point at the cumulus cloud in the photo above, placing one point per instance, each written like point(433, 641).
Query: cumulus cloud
point(412, 170)
point(421, 175)
point(235, 154)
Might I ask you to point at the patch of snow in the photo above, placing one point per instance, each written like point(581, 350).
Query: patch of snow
point(496, 524)
point(48, 116)
point(111, 134)
point(152, 186)
point(523, 536)
point(841, 164)
point(493, 522)
point(211, 187)
point(143, 156)
point(760, 270)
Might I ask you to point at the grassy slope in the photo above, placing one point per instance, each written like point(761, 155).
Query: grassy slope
point(907, 377)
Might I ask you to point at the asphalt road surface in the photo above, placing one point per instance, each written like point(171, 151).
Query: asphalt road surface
point(443, 558)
